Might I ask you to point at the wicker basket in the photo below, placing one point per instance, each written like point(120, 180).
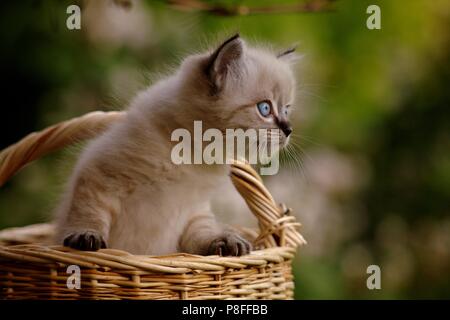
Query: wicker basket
point(32, 269)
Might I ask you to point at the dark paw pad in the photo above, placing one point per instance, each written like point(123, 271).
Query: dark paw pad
point(87, 241)
point(229, 244)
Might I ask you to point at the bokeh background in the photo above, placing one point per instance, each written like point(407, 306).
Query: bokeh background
point(370, 180)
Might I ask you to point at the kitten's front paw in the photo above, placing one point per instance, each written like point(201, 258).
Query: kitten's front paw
point(229, 244)
point(87, 241)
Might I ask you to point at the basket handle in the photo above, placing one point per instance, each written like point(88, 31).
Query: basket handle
point(277, 226)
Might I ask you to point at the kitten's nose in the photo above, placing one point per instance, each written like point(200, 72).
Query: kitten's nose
point(285, 127)
point(287, 131)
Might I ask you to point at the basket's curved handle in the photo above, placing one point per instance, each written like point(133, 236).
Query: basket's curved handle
point(38, 144)
point(278, 227)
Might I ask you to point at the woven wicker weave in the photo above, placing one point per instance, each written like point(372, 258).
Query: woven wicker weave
point(32, 269)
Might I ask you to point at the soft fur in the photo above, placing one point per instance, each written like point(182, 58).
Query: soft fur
point(126, 193)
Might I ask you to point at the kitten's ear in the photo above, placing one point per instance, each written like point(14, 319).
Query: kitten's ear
point(289, 55)
point(226, 57)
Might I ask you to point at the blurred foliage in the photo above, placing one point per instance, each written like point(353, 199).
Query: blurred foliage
point(377, 97)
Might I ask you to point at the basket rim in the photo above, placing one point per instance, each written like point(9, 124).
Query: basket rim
point(113, 259)
point(28, 250)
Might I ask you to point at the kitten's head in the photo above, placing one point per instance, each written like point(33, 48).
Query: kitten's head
point(236, 86)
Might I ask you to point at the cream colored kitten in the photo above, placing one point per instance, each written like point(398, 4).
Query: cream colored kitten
point(126, 193)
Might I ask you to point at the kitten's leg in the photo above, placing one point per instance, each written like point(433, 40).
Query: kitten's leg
point(85, 222)
point(203, 235)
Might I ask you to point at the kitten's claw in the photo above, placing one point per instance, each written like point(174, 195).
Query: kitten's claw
point(86, 241)
point(229, 244)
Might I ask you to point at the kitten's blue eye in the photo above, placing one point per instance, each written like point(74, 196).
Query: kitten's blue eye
point(264, 108)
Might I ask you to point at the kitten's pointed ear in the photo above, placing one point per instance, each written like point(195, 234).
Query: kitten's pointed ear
point(226, 57)
point(289, 55)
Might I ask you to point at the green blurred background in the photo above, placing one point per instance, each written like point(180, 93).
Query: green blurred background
point(372, 180)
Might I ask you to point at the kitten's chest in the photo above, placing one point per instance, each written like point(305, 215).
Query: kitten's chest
point(152, 221)
point(168, 205)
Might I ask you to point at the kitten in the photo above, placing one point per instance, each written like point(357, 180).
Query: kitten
point(126, 193)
